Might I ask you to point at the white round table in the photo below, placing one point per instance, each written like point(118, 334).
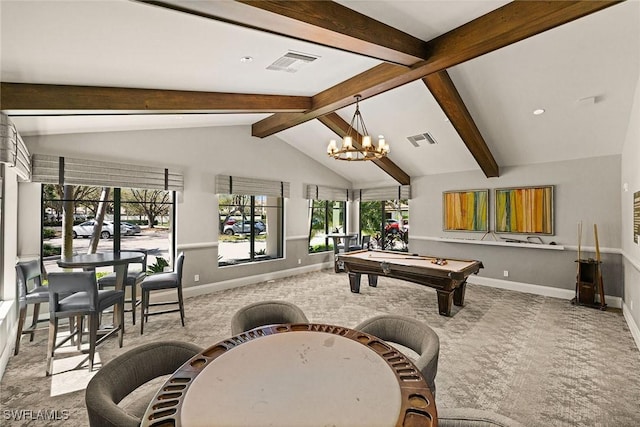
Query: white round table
point(295, 375)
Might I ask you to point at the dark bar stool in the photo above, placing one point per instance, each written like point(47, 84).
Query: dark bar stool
point(158, 282)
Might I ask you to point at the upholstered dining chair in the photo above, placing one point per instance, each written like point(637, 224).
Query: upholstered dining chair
point(74, 295)
point(133, 280)
point(30, 292)
point(161, 282)
point(410, 333)
point(117, 380)
point(266, 313)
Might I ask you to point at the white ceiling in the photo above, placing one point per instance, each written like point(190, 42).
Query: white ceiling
point(127, 44)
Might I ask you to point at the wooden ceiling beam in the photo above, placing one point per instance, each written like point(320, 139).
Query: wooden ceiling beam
point(322, 22)
point(447, 96)
point(26, 96)
point(334, 122)
point(506, 25)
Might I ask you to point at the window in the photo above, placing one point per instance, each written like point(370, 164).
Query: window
point(250, 228)
point(387, 222)
point(325, 217)
point(145, 221)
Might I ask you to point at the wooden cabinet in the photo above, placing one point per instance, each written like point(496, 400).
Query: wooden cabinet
point(589, 287)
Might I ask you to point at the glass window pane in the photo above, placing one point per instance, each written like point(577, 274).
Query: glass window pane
point(318, 228)
point(138, 208)
point(250, 228)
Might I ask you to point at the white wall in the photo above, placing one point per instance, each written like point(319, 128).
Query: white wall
point(630, 176)
point(8, 306)
point(201, 154)
point(585, 190)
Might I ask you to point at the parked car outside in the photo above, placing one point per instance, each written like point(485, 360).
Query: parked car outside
point(392, 226)
point(86, 229)
point(131, 229)
point(243, 227)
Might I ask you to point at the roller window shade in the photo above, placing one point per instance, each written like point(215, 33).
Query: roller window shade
point(384, 193)
point(319, 192)
point(226, 184)
point(13, 151)
point(70, 171)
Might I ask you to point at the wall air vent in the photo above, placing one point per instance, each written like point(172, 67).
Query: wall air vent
point(291, 62)
point(416, 140)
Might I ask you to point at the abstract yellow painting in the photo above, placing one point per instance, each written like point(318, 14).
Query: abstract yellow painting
point(466, 210)
point(524, 210)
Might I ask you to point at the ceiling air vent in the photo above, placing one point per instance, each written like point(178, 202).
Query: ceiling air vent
point(416, 140)
point(292, 62)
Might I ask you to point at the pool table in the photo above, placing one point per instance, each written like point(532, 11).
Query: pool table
point(448, 276)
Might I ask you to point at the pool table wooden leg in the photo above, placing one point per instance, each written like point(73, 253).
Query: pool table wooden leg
point(354, 282)
point(458, 294)
point(445, 298)
point(373, 280)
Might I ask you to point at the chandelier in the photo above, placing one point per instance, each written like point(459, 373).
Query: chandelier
point(364, 150)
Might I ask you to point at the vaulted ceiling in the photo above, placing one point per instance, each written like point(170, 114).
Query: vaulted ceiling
point(470, 73)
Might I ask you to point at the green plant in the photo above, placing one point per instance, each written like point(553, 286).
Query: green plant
point(319, 248)
point(48, 233)
point(158, 266)
point(50, 250)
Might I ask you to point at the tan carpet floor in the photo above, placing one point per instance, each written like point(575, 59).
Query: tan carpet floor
point(539, 360)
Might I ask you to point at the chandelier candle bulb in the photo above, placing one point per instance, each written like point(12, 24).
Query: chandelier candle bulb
point(332, 147)
point(366, 142)
point(347, 143)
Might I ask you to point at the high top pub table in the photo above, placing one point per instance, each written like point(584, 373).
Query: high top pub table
point(295, 375)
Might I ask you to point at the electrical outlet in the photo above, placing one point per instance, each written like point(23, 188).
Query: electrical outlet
point(505, 273)
point(299, 261)
point(196, 278)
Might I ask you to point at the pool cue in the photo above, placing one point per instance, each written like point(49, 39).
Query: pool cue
point(577, 298)
point(405, 257)
point(599, 265)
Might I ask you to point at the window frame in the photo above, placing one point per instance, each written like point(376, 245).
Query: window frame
point(252, 256)
point(328, 205)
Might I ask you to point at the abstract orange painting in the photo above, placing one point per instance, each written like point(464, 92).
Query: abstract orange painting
point(524, 210)
point(466, 210)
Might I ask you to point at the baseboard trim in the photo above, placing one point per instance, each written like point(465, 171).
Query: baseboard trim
point(240, 281)
point(633, 327)
point(547, 291)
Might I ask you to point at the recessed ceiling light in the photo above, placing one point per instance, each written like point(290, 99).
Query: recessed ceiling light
point(538, 112)
point(246, 59)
